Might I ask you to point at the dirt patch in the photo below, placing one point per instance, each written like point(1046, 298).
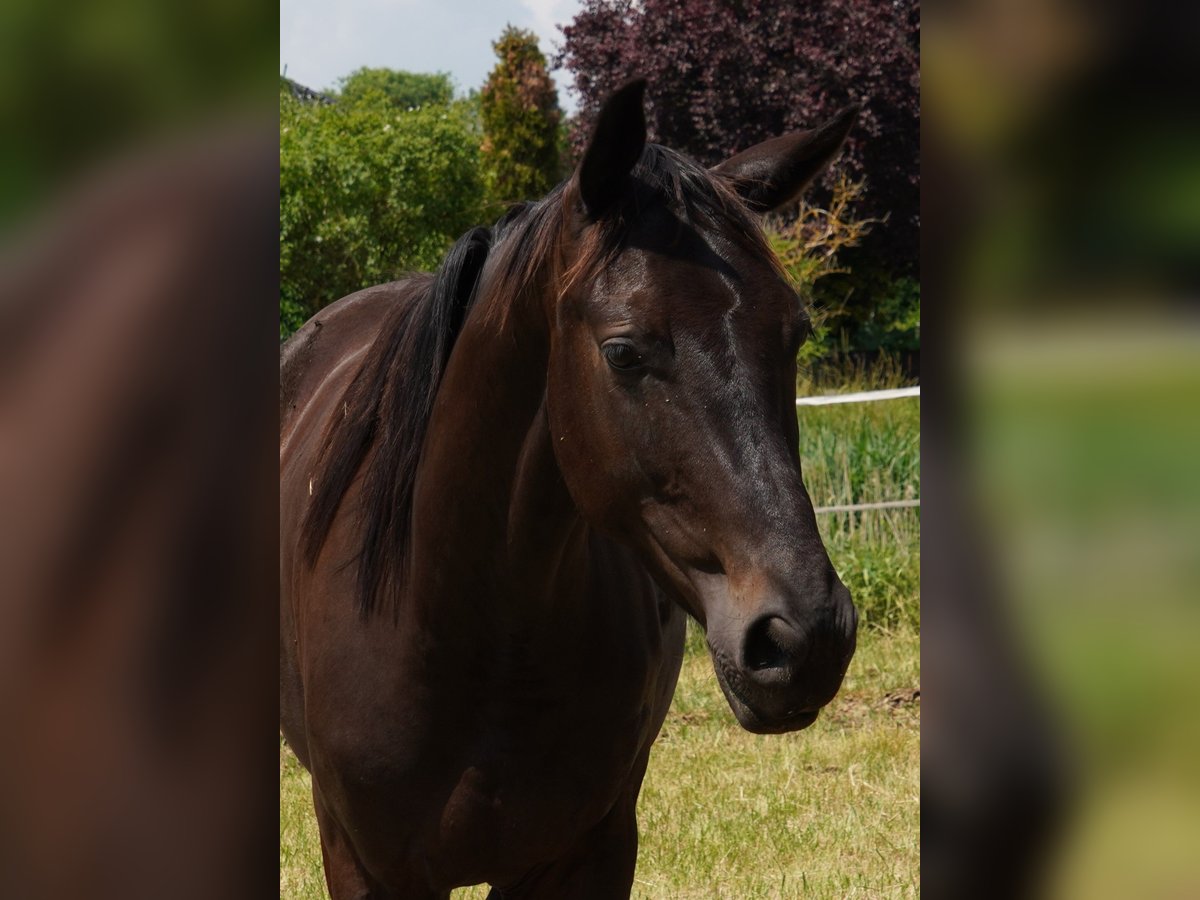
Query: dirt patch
point(853, 708)
point(903, 697)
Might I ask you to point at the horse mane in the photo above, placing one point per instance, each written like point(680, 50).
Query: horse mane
point(388, 404)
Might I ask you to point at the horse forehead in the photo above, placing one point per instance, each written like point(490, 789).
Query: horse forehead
point(700, 289)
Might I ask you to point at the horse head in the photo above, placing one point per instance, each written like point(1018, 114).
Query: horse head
point(671, 401)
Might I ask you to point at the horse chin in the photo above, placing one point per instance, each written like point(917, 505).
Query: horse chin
point(755, 721)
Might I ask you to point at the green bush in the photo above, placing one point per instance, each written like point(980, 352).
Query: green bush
point(890, 322)
point(858, 309)
point(402, 90)
point(809, 247)
point(291, 316)
point(368, 191)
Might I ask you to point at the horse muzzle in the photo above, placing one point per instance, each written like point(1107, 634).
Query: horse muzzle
point(778, 671)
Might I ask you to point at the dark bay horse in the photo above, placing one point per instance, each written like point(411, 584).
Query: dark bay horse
point(503, 486)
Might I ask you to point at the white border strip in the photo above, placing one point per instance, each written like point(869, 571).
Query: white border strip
point(859, 397)
point(855, 507)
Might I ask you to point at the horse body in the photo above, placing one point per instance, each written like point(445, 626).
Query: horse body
point(526, 468)
point(503, 770)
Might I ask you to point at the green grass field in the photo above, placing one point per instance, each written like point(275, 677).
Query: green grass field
point(832, 811)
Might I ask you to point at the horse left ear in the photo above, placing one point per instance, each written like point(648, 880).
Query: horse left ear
point(614, 149)
point(774, 173)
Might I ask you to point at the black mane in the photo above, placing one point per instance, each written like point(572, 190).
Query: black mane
point(391, 413)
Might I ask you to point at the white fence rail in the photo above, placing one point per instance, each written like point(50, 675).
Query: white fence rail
point(859, 397)
point(863, 397)
point(882, 504)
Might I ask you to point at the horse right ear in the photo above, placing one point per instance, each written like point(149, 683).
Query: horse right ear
point(774, 173)
point(614, 149)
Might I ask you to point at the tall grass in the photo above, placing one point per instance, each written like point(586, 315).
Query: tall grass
point(863, 453)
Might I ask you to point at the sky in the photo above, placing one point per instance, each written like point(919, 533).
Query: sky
point(321, 41)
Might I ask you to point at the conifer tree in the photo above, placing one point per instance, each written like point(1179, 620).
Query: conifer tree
point(521, 120)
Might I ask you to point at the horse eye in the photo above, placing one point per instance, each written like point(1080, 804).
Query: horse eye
point(621, 355)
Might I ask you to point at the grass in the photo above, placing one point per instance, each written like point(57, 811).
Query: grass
point(300, 874)
point(829, 812)
point(862, 453)
point(832, 811)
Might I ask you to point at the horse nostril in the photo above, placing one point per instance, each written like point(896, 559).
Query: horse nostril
point(765, 645)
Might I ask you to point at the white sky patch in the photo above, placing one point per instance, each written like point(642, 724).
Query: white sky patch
point(321, 42)
point(547, 16)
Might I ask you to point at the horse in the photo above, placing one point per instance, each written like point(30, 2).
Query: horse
point(504, 487)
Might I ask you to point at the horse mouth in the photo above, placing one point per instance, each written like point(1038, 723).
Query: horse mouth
point(751, 717)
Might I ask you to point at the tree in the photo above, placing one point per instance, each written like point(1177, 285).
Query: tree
point(368, 191)
point(299, 92)
point(521, 118)
point(403, 90)
point(725, 75)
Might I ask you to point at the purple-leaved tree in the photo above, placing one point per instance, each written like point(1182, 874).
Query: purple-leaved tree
point(725, 74)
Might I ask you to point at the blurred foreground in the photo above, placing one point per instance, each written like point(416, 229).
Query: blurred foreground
point(1060, 438)
point(137, 406)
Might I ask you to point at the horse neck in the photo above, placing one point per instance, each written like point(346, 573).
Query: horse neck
point(498, 538)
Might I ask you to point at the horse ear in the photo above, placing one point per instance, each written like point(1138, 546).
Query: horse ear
point(615, 147)
point(774, 173)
